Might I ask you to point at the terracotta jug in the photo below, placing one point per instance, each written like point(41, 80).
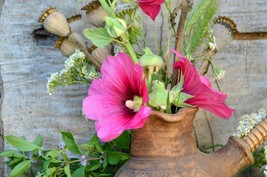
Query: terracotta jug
point(166, 147)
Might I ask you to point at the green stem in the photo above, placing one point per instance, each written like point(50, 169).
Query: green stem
point(123, 36)
point(129, 48)
point(107, 8)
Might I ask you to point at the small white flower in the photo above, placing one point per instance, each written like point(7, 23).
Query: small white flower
point(248, 122)
point(83, 161)
point(61, 145)
point(53, 77)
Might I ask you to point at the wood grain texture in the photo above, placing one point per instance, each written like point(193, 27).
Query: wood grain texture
point(27, 110)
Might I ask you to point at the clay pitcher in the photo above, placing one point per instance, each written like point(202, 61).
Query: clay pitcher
point(166, 147)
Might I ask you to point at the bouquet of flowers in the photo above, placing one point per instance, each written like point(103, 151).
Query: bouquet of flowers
point(134, 80)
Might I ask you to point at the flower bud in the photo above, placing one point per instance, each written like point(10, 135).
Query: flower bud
point(149, 60)
point(115, 26)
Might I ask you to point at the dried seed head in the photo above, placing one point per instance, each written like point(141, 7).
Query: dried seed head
point(91, 6)
point(223, 31)
point(46, 14)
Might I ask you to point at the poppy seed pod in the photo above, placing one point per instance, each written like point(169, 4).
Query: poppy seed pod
point(223, 31)
point(65, 46)
point(100, 54)
point(55, 22)
point(95, 13)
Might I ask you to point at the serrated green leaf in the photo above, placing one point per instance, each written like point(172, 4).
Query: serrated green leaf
point(46, 164)
point(115, 157)
point(105, 163)
point(12, 163)
point(38, 141)
point(124, 140)
point(65, 157)
point(67, 170)
point(51, 171)
point(11, 153)
point(92, 144)
point(21, 144)
point(70, 142)
point(93, 166)
point(98, 36)
point(79, 172)
point(53, 154)
point(20, 168)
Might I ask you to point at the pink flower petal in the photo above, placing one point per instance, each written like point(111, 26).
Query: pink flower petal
point(121, 80)
point(150, 7)
point(200, 87)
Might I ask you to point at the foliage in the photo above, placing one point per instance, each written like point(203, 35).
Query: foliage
point(90, 159)
point(197, 25)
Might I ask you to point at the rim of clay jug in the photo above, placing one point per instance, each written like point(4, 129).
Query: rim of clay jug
point(174, 117)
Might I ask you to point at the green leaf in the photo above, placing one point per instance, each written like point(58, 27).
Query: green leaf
point(158, 97)
point(51, 171)
point(21, 168)
point(115, 157)
point(38, 141)
point(94, 166)
point(181, 102)
point(67, 171)
point(124, 140)
point(168, 104)
point(70, 142)
point(21, 144)
point(12, 163)
point(92, 144)
point(11, 153)
point(79, 172)
point(98, 36)
point(53, 154)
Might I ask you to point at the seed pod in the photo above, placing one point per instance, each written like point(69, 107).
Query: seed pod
point(223, 31)
point(100, 54)
point(55, 22)
point(95, 13)
point(65, 46)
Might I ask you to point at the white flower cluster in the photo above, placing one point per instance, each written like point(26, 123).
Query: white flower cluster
point(70, 61)
point(78, 70)
point(248, 122)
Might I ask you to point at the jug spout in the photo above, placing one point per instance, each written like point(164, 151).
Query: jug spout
point(232, 158)
point(237, 153)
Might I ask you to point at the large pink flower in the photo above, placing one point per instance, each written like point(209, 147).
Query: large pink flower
point(150, 7)
point(200, 87)
point(117, 100)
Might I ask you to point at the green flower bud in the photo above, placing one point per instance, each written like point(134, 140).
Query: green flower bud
point(158, 97)
point(115, 26)
point(149, 60)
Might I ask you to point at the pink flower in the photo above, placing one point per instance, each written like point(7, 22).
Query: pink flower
point(117, 100)
point(150, 7)
point(200, 87)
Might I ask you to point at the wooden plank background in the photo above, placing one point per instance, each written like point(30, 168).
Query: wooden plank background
point(27, 110)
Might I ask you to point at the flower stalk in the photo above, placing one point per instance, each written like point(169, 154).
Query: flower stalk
point(125, 41)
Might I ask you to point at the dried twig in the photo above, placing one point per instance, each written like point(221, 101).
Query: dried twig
point(184, 11)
